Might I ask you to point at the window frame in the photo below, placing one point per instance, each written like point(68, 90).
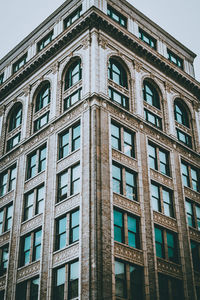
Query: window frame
point(123, 80)
point(45, 41)
point(17, 109)
point(11, 142)
point(124, 100)
point(66, 282)
point(161, 200)
point(19, 63)
point(155, 95)
point(192, 214)
point(68, 78)
point(37, 123)
point(123, 182)
point(157, 161)
point(76, 13)
point(4, 259)
point(195, 256)
point(68, 186)
point(6, 218)
point(172, 57)
point(152, 41)
point(171, 288)
point(9, 180)
point(189, 177)
point(35, 202)
point(158, 120)
point(122, 19)
point(121, 139)
point(68, 100)
point(37, 164)
point(32, 247)
point(1, 78)
point(27, 286)
point(164, 244)
point(40, 96)
point(125, 229)
point(67, 230)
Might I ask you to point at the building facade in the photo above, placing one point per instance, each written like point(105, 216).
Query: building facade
point(99, 156)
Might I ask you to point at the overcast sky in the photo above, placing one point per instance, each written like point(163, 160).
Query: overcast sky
point(180, 18)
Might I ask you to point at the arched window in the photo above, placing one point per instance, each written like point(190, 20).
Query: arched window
point(15, 117)
point(151, 95)
point(73, 74)
point(181, 115)
point(43, 97)
point(117, 73)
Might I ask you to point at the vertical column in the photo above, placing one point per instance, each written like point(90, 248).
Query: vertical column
point(149, 225)
point(184, 240)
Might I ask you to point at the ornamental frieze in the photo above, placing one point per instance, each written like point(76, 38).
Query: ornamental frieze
point(192, 194)
point(126, 204)
point(31, 224)
point(165, 221)
point(35, 181)
point(65, 255)
point(160, 178)
point(169, 268)
point(67, 205)
point(125, 160)
point(194, 234)
point(129, 254)
point(28, 271)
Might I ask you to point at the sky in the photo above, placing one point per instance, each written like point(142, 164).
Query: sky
point(180, 18)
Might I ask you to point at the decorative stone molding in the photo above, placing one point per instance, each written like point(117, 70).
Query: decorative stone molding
point(6, 198)
point(168, 87)
point(4, 238)
point(28, 271)
point(66, 255)
point(103, 43)
point(192, 194)
point(68, 161)
point(55, 67)
point(124, 203)
point(194, 234)
point(165, 221)
point(161, 178)
point(124, 159)
point(138, 66)
point(26, 90)
point(129, 254)
point(31, 224)
point(86, 42)
point(67, 205)
point(2, 282)
point(169, 268)
point(153, 109)
point(35, 181)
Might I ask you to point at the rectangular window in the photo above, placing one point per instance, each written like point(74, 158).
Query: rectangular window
point(129, 281)
point(41, 121)
point(116, 16)
point(30, 247)
point(64, 188)
point(195, 255)
point(66, 278)
point(36, 162)
point(175, 59)
point(118, 98)
point(69, 140)
point(190, 176)
point(184, 138)
point(6, 214)
point(19, 63)
point(161, 200)
point(45, 41)
point(73, 17)
point(193, 213)
point(1, 78)
point(34, 202)
point(158, 159)
point(122, 139)
point(8, 180)
point(145, 37)
point(126, 229)
point(170, 288)
point(4, 259)
point(166, 244)
point(120, 175)
point(13, 141)
point(28, 289)
point(72, 99)
point(153, 119)
point(65, 235)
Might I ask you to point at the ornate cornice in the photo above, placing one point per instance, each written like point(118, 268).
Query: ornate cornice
point(94, 19)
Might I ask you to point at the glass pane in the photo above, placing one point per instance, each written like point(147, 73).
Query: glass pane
point(117, 97)
point(152, 151)
point(155, 191)
point(127, 137)
point(75, 234)
point(166, 196)
point(118, 218)
point(63, 179)
point(38, 235)
point(116, 172)
point(130, 178)
point(62, 241)
point(116, 186)
point(60, 276)
point(74, 270)
point(189, 207)
point(198, 212)
point(131, 239)
point(75, 172)
point(115, 130)
point(194, 174)
point(76, 131)
point(34, 289)
point(163, 157)
point(118, 235)
point(62, 225)
point(158, 235)
point(170, 240)
point(132, 224)
point(27, 243)
point(75, 98)
point(75, 219)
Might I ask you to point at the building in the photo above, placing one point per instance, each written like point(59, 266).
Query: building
point(99, 155)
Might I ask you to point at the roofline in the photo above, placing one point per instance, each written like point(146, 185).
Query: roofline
point(59, 9)
point(158, 27)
